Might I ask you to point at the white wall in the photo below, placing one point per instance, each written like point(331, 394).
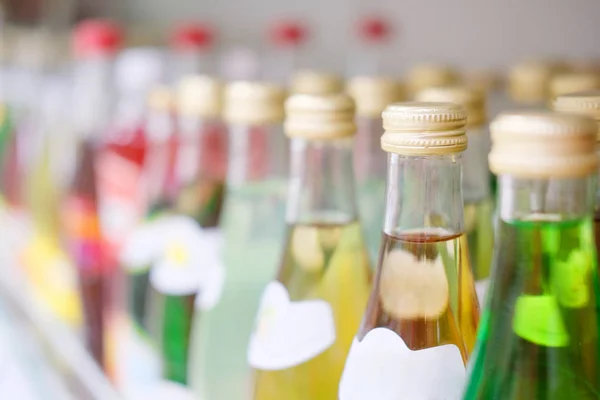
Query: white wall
point(473, 33)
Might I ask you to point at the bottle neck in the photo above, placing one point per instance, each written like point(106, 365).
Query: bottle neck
point(476, 183)
point(545, 199)
point(369, 160)
point(256, 153)
point(424, 193)
point(321, 182)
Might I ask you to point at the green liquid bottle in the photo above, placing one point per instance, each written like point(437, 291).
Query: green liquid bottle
point(540, 331)
point(585, 103)
point(478, 204)
point(253, 226)
point(371, 94)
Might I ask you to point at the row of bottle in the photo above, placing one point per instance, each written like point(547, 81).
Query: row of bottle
point(167, 259)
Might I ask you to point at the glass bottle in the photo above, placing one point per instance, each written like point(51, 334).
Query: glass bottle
point(253, 226)
point(539, 337)
point(585, 103)
point(478, 203)
point(424, 76)
point(419, 327)
point(308, 315)
point(315, 82)
point(572, 82)
point(371, 95)
point(95, 43)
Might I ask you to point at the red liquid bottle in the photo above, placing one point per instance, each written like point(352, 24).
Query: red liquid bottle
point(94, 43)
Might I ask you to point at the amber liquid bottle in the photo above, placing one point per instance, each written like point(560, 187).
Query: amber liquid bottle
point(419, 327)
point(308, 316)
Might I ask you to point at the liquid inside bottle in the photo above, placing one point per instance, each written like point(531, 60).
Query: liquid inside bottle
point(419, 327)
point(541, 329)
point(310, 311)
point(308, 317)
point(253, 226)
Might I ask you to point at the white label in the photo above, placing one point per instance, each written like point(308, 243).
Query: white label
point(382, 367)
point(289, 333)
point(214, 278)
point(188, 259)
point(481, 289)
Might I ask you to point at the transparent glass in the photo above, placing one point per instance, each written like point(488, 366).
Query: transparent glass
point(478, 206)
point(324, 264)
point(539, 337)
point(423, 298)
point(253, 224)
point(370, 164)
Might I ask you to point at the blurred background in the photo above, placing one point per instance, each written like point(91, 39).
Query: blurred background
point(102, 85)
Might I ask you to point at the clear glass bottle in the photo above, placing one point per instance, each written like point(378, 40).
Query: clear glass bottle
point(371, 95)
point(419, 327)
point(253, 226)
point(478, 202)
point(309, 314)
point(539, 337)
point(585, 103)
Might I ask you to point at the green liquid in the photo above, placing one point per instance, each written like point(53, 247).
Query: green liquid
point(539, 336)
point(254, 228)
point(371, 205)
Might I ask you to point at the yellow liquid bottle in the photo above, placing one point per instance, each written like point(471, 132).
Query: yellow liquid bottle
point(478, 202)
point(308, 316)
point(420, 324)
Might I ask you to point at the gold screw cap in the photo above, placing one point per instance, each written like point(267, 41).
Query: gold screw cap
point(328, 116)
point(253, 103)
point(543, 145)
point(316, 82)
point(431, 75)
point(573, 82)
point(473, 101)
point(424, 128)
point(584, 103)
point(373, 93)
point(199, 96)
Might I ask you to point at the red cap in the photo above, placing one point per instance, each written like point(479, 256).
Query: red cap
point(192, 36)
point(374, 29)
point(288, 33)
point(96, 37)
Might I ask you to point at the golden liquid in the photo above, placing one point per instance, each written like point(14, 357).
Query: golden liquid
point(327, 262)
point(424, 291)
point(480, 235)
